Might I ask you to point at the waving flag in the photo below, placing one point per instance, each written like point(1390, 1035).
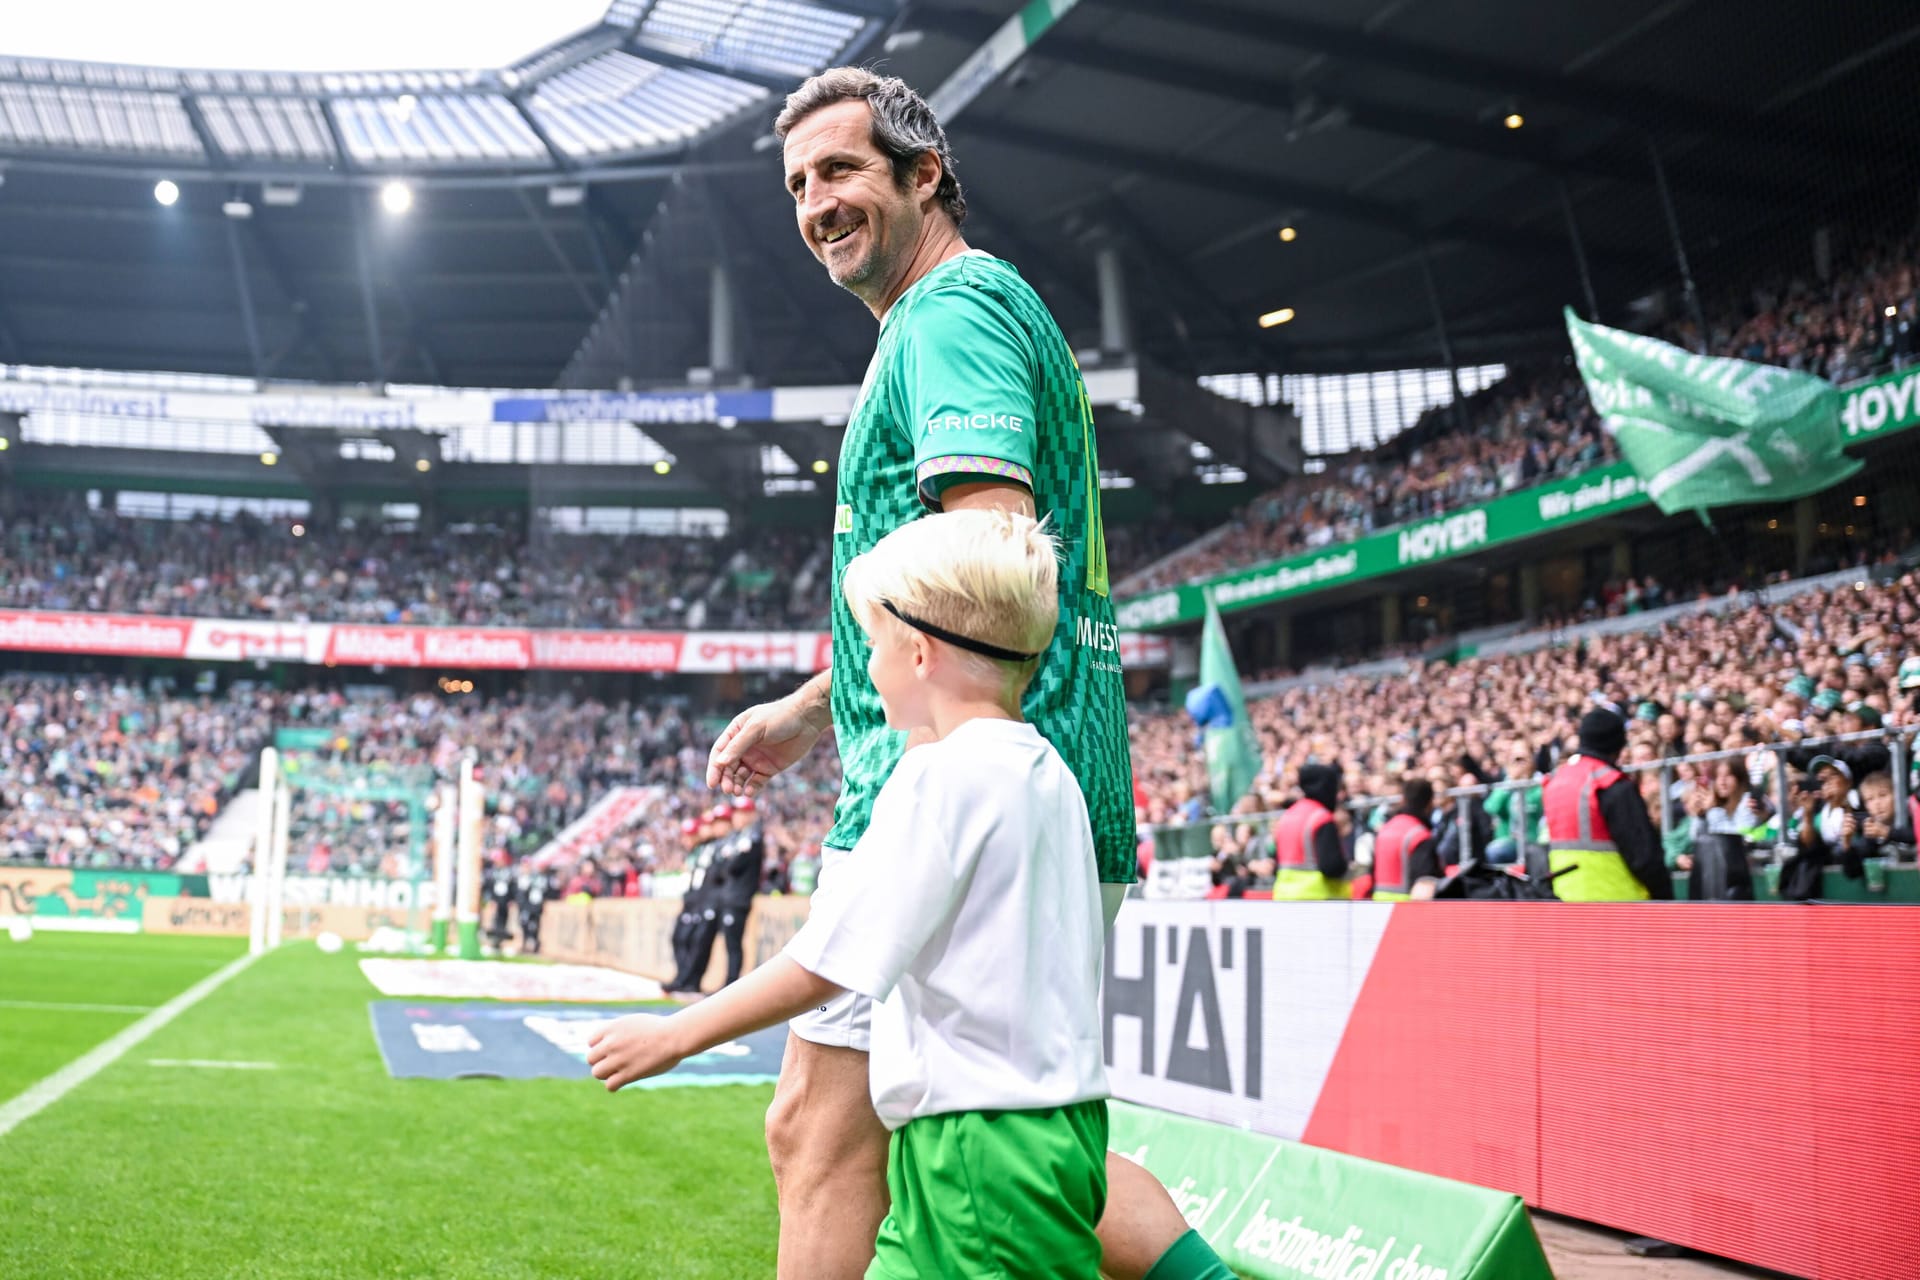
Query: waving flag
point(1707, 431)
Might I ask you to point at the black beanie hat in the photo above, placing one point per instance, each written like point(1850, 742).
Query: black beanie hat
point(1602, 733)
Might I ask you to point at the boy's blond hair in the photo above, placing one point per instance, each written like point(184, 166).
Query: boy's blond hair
point(988, 575)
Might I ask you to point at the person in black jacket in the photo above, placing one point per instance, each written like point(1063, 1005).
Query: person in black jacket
point(532, 891)
point(501, 895)
point(688, 923)
point(745, 854)
point(704, 886)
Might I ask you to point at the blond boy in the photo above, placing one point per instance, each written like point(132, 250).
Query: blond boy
point(974, 913)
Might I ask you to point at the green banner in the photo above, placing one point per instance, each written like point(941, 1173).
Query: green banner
point(1880, 406)
point(1280, 1210)
point(1710, 431)
point(1523, 514)
point(1877, 407)
point(1233, 755)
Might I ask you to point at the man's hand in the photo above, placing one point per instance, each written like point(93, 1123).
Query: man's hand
point(633, 1048)
point(762, 741)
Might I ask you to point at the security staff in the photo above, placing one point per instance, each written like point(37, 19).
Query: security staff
point(746, 856)
point(689, 919)
point(500, 895)
point(1403, 850)
point(1601, 844)
point(703, 893)
point(533, 890)
point(1309, 859)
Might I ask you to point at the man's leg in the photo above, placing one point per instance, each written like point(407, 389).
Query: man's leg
point(829, 1154)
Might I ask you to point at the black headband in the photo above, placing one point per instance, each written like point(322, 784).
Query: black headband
point(980, 647)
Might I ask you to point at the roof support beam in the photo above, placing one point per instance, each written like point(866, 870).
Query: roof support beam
point(243, 288)
point(369, 306)
point(772, 84)
point(591, 303)
point(9, 345)
point(342, 156)
point(862, 8)
point(303, 326)
point(554, 153)
point(198, 120)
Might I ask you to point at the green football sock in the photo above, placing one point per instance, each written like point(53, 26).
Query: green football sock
point(1190, 1258)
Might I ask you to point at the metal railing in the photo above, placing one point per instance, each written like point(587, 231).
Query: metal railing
point(1194, 839)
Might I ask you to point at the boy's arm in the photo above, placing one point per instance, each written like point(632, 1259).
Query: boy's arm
point(642, 1045)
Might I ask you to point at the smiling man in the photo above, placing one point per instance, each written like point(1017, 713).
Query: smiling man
point(973, 399)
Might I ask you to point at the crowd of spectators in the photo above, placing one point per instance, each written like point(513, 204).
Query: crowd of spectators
point(1538, 424)
point(97, 772)
point(57, 553)
point(1837, 661)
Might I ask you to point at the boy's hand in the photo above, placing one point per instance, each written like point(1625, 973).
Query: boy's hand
point(633, 1048)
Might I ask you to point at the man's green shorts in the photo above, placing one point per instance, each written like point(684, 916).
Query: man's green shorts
point(995, 1195)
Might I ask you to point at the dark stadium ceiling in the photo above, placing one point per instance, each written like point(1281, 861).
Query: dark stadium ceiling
point(1185, 134)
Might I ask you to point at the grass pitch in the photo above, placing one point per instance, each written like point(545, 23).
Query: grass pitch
point(326, 1166)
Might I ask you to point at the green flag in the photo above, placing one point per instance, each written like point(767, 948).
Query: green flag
point(1233, 754)
point(1705, 431)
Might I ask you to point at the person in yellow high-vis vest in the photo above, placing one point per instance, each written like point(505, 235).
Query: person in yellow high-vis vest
point(1310, 859)
point(1601, 844)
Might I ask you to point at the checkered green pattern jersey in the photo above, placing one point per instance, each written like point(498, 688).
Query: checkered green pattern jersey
point(974, 381)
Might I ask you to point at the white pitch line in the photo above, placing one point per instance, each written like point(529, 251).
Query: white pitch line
point(213, 1064)
point(90, 1064)
point(56, 1006)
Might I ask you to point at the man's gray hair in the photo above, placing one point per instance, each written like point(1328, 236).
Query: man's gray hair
point(904, 128)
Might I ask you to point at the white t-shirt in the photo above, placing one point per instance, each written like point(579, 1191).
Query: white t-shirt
point(971, 909)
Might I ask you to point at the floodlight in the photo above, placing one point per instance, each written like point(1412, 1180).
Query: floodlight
point(166, 192)
point(396, 197)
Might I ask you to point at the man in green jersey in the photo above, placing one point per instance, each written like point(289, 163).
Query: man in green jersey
point(973, 399)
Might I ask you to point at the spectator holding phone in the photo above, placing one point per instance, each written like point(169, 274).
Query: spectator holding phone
point(1830, 814)
point(1883, 832)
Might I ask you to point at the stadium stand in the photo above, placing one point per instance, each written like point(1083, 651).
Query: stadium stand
point(104, 773)
point(58, 553)
point(1839, 658)
point(1539, 425)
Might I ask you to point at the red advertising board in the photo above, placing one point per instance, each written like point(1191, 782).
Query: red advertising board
point(455, 648)
point(1732, 1077)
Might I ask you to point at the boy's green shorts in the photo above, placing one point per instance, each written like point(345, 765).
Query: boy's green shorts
point(995, 1194)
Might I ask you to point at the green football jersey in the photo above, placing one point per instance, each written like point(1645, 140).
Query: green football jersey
point(973, 381)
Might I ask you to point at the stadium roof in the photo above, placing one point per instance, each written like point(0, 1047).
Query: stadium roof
point(1184, 135)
